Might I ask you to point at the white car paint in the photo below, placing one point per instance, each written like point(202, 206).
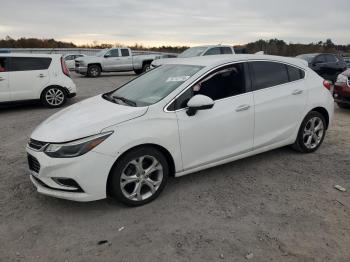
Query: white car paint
point(29, 84)
point(236, 127)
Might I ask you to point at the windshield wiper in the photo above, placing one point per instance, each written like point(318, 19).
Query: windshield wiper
point(125, 100)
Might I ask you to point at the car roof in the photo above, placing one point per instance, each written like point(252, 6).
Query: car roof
point(207, 46)
point(216, 60)
point(28, 55)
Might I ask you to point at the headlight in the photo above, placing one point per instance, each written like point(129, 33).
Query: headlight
point(75, 148)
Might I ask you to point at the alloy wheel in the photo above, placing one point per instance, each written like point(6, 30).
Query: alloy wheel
point(141, 178)
point(313, 132)
point(54, 97)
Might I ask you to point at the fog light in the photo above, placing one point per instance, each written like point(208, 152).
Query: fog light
point(68, 182)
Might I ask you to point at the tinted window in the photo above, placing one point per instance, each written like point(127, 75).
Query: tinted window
point(29, 63)
point(226, 50)
point(225, 82)
point(125, 52)
point(295, 73)
point(113, 53)
point(213, 51)
point(268, 74)
point(3, 64)
point(331, 58)
point(320, 59)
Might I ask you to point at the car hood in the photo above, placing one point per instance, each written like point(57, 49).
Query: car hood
point(83, 119)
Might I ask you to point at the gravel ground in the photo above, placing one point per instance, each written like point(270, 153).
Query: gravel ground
point(276, 206)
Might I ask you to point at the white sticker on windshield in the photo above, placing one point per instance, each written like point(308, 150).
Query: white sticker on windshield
point(177, 78)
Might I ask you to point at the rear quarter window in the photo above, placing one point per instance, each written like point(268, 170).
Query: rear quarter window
point(29, 63)
point(295, 73)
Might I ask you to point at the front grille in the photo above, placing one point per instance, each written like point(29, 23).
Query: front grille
point(33, 163)
point(36, 145)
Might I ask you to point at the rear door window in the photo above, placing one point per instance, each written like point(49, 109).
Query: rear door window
point(226, 50)
point(213, 51)
point(125, 52)
point(29, 63)
point(268, 74)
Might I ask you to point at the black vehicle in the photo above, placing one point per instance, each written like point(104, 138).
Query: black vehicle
point(328, 66)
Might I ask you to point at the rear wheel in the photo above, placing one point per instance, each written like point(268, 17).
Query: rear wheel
point(139, 176)
point(94, 71)
point(146, 67)
point(311, 133)
point(54, 97)
point(138, 71)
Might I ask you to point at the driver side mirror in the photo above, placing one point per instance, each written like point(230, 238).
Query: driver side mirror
point(199, 102)
point(107, 55)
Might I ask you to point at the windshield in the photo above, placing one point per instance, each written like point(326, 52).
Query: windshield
point(101, 53)
point(153, 86)
point(193, 51)
point(307, 57)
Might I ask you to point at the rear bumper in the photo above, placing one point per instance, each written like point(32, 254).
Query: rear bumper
point(341, 94)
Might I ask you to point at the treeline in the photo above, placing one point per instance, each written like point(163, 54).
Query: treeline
point(272, 46)
point(280, 47)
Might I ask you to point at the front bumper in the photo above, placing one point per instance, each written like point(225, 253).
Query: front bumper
point(89, 171)
point(81, 69)
point(341, 94)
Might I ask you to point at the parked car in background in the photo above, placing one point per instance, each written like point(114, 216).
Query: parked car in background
point(341, 91)
point(204, 50)
point(347, 61)
point(328, 66)
point(177, 119)
point(113, 60)
point(35, 77)
point(70, 60)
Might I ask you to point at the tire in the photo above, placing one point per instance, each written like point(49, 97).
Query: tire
point(54, 97)
point(94, 71)
point(343, 105)
point(128, 175)
point(311, 133)
point(146, 67)
point(138, 71)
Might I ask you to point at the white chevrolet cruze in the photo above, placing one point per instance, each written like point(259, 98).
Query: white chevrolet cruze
point(179, 118)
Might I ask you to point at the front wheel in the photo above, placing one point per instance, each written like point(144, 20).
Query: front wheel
point(94, 71)
point(311, 133)
point(139, 176)
point(54, 97)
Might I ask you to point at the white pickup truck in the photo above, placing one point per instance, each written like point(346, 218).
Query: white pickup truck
point(113, 60)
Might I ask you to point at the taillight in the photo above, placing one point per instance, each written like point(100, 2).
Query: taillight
point(64, 67)
point(327, 84)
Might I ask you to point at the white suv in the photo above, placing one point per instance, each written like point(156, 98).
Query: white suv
point(177, 119)
point(35, 77)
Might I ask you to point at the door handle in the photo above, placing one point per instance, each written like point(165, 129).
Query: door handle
point(242, 108)
point(41, 76)
point(297, 92)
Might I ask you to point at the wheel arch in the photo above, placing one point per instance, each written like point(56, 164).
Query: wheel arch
point(96, 64)
point(160, 148)
point(145, 62)
point(323, 111)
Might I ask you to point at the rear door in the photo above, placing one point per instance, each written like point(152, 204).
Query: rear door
point(4, 81)
point(28, 76)
point(125, 60)
point(279, 98)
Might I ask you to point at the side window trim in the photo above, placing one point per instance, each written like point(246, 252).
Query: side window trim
point(248, 85)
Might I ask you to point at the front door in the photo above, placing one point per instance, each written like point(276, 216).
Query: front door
point(224, 131)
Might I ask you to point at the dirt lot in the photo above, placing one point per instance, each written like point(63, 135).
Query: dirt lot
point(279, 206)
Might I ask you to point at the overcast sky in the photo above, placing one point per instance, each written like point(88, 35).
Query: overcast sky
point(176, 22)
